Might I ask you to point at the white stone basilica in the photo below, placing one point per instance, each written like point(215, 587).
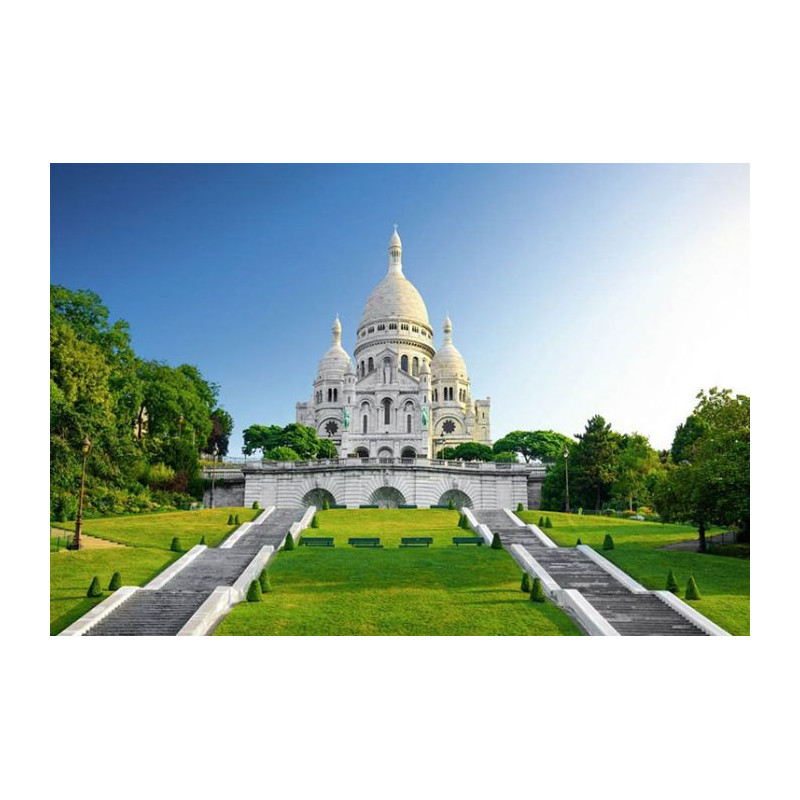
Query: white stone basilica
point(403, 398)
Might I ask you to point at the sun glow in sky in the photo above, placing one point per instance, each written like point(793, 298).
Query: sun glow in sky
point(573, 289)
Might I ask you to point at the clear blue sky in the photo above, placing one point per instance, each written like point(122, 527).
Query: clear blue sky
point(573, 289)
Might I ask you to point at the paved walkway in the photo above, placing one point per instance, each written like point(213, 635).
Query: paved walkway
point(163, 612)
point(629, 613)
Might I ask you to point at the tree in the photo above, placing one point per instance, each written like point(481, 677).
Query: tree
point(637, 460)
point(597, 456)
point(327, 449)
point(281, 454)
point(221, 430)
point(471, 451)
point(545, 446)
point(260, 437)
point(710, 485)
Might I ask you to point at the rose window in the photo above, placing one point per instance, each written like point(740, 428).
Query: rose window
point(331, 427)
point(449, 426)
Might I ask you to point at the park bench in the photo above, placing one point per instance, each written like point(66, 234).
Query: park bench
point(363, 541)
point(317, 541)
point(457, 540)
point(416, 541)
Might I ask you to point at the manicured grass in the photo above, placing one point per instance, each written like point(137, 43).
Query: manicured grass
point(389, 524)
point(72, 572)
point(149, 537)
point(157, 530)
point(440, 590)
point(724, 582)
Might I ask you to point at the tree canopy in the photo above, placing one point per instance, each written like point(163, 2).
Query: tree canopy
point(137, 414)
point(710, 485)
point(545, 446)
point(302, 440)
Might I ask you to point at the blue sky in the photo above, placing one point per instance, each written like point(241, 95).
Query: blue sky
point(573, 289)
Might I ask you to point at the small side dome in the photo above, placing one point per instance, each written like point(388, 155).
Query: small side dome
point(335, 359)
point(448, 362)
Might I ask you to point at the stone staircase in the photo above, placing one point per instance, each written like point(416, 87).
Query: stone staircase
point(629, 613)
point(164, 611)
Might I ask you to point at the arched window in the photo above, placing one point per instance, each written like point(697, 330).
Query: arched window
point(387, 411)
point(363, 372)
point(408, 424)
point(335, 395)
point(404, 363)
point(415, 366)
point(435, 395)
point(364, 423)
point(329, 395)
point(370, 365)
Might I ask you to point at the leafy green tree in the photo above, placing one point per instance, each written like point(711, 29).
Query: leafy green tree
point(545, 446)
point(327, 449)
point(636, 463)
point(301, 438)
point(597, 458)
point(281, 454)
point(710, 485)
point(260, 437)
point(471, 451)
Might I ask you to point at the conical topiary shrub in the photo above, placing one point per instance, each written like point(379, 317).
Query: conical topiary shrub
point(289, 543)
point(230, 519)
point(263, 582)
point(461, 520)
point(314, 522)
point(254, 593)
point(115, 582)
point(94, 588)
point(525, 586)
point(326, 506)
point(496, 543)
point(692, 592)
point(548, 523)
point(236, 520)
point(256, 504)
point(541, 522)
point(175, 545)
point(519, 507)
point(537, 593)
point(578, 542)
point(465, 523)
point(451, 505)
point(672, 583)
point(608, 542)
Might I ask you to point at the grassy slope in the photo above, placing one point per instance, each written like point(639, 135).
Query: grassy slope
point(441, 590)
point(149, 537)
point(724, 582)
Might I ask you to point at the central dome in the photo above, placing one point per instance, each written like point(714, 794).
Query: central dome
point(395, 296)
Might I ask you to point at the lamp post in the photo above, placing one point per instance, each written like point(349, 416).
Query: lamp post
point(566, 473)
point(76, 545)
point(213, 472)
point(441, 442)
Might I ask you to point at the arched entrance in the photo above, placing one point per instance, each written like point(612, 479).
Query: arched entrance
point(361, 452)
point(387, 497)
point(317, 497)
point(385, 452)
point(408, 452)
point(460, 500)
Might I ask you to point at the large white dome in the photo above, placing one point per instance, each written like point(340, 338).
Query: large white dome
point(395, 296)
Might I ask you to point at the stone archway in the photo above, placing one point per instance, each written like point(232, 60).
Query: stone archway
point(361, 452)
point(317, 497)
point(385, 452)
point(387, 497)
point(460, 499)
point(408, 452)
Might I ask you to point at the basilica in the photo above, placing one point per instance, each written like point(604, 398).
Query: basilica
point(400, 397)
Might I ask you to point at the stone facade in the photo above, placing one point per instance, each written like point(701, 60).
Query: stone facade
point(402, 398)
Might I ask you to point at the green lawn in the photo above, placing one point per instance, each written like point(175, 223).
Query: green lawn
point(441, 590)
point(148, 536)
point(724, 582)
point(157, 530)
